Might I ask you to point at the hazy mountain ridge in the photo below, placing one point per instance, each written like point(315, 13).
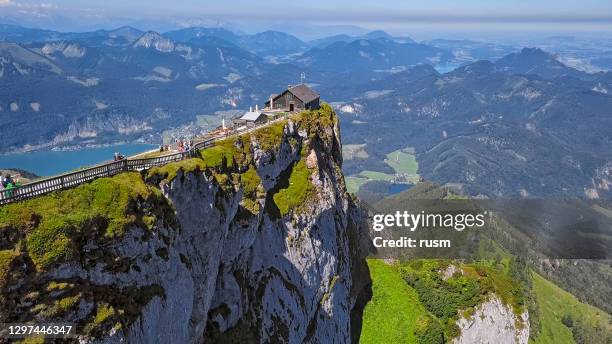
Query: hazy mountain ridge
point(326, 41)
point(362, 60)
point(538, 62)
point(182, 73)
point(121, 36)
point(486, 126)
point(77, 83)
point(264, 43)
point(491, 131)
point(187, 34)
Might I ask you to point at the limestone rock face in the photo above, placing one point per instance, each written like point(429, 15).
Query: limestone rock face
point(216, 270)
point(262, 277)
point(494, 323)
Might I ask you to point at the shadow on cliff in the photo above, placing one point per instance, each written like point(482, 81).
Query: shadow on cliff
point(276, 298)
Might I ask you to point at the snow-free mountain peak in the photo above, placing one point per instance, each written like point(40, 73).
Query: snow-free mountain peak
point(152, 39)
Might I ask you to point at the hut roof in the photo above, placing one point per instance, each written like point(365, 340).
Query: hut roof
point(304, 93)
point(251, 116)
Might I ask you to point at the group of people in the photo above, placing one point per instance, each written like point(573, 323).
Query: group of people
point(8, 185)
point(181, 146)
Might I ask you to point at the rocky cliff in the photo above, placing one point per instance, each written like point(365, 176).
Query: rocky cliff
point(256, 241)
point(493, 322)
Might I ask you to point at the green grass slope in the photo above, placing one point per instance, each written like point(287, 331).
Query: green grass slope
point(556, 304)
point(51, 223)
point(394, 311)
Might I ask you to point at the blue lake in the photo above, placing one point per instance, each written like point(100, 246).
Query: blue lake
point(397, 188)
point(447, 67)
point(49, 163)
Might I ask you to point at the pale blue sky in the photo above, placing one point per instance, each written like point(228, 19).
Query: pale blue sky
point(563, 9)
point(399, 16)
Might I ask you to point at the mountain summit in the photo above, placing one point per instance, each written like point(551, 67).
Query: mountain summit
point(378, 34)
point(273, 43)
point(126, 32)
point(187, 34)
point(154, 40)
point(537, 62)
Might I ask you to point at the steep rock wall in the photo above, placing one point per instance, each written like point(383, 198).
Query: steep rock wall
point(216, 266)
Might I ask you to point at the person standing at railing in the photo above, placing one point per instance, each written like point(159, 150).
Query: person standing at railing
point(6, 180)
point(9, 189)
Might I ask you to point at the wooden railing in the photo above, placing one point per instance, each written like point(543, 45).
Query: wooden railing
point(72, 179)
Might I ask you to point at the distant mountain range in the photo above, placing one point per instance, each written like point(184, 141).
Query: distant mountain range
point(521, 124)
point(468, 50)
point(491, 129)
point(367, 59)
point(323, 42)
point(108, 87)
point(264, 43)
point(127, 84)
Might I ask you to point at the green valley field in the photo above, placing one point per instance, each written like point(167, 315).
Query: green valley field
point(402, 161)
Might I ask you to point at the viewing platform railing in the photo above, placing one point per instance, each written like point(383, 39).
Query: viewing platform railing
point(72, 179)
